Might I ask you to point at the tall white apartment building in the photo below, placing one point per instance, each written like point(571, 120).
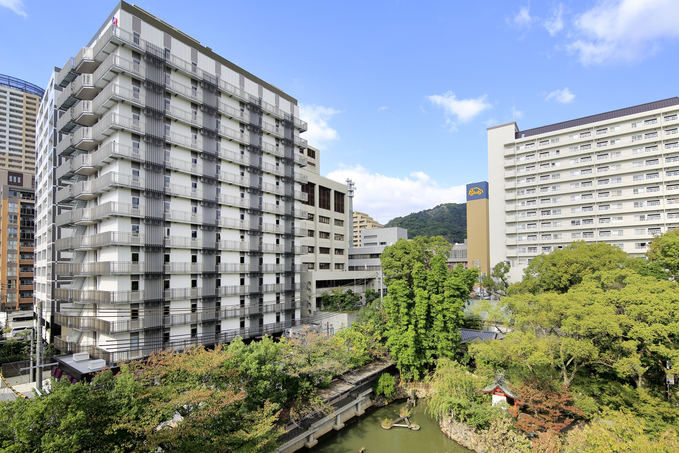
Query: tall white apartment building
point(611, 177)
point(46, 234)
point(183, 196)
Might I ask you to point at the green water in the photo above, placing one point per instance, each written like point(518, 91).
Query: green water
point(366, 432)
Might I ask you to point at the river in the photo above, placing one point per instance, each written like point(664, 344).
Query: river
point(367, 433)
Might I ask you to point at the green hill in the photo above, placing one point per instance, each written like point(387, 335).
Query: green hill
point(448, 220)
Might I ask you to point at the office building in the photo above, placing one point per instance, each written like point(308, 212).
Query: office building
point(17, 212)
point(611, 177)
point(183, 184)
point(362, 221)
point(325, 249)
point(19, 102)
point(458, 255)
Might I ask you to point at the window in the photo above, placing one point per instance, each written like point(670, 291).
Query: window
point(339, 266)
point(339, 222)
point(339, 237)
point(324, 197)
point(310, 190)
point(339, 251)
point(324, 266)
point(323, 219)
point(339, 202)
point(323, 235)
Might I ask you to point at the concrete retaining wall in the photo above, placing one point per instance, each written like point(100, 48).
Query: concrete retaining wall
point(335, 421)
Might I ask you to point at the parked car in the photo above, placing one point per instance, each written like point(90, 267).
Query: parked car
point(17, 332)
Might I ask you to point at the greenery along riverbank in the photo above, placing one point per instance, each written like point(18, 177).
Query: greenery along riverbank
point(592, 341)
point(231, 399)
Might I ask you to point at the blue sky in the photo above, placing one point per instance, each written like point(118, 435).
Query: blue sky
point(398, 94)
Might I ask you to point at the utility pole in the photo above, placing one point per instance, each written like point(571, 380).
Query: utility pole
point(31, 374)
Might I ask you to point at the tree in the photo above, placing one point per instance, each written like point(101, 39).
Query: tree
point(424, 305)
point(193, 401)
point(664, 250)
point(340, 300)
point(562, 269)
point(497, 282)
point(542, 408)
point(457, 393)
point(70, 418)
point(618, 431)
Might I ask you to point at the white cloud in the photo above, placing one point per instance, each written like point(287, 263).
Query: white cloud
point(555, 24)
point(523, 18)
point(385, 197)
point(563, 96)
point(382, 109)
point(626, 30)
point(15, 5)
point(490, 122)
point(318, 133)
point(463, 110)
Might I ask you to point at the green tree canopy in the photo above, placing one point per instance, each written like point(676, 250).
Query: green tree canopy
point(424, 305)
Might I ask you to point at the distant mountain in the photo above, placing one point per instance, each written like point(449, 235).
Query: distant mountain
point(448, 220)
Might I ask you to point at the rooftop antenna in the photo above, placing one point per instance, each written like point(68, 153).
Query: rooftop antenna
point(512, 109)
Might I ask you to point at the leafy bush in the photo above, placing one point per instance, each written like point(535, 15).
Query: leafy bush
point(386, 386)
point(457, 393)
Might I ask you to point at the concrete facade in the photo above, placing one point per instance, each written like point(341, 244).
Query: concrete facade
point(611, 177)
point(17, 214)
point(478, 227)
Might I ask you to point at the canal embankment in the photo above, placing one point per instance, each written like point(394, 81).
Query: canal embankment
point(348, 396)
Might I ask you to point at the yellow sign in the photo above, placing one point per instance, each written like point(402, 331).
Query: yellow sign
point(475, 191)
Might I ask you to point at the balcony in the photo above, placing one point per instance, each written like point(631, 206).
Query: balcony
point(66, 122)
point(233, 113)
point(88, 190)
point(113, 122)
point(114, 37)
point(67, 73)
point(233, 135)
point(273, 130)
point(106, 239)
point(301, 160)
point(80, 323)
point(189, 93)
point(302, 196)
point(83, 87)
point(89, 216)
point(115, 93)
point(300, 178)
point(82, 139)
point(194, 118)
point(85, 62)
point(299, 141)
point(114, 65)
point(67, 98)
point(273, 169)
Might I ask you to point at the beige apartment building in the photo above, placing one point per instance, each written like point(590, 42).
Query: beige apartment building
point(19, 102)
point(362, 221)
point(611, 177)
